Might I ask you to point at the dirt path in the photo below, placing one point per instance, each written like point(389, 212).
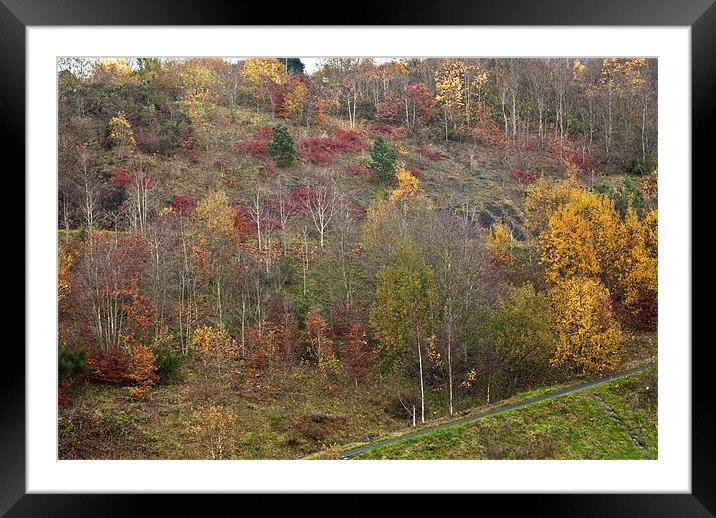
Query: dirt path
point(357, 451)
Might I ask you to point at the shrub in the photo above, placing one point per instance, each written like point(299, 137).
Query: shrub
point(321, 150)
point(261, 139)
point(281, 146)
point(142, 370)
point(383, 158)
point(317, 150)
point(109, 367)
point(70, 363)
point(167, 362)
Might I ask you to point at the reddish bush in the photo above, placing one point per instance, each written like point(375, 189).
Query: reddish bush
point(243, 222)
point(487, 131)
point(262, 137)
point(316, 150)
point(355, 210)
point(415, 172)
point(121, 176)
point(348, 140)
point(109, 367)
point(324, 150)
point(387, 111)
point(523, 177)
point(184, 203)
point(432, 155)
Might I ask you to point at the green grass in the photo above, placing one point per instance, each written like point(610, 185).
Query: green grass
point(573, 426)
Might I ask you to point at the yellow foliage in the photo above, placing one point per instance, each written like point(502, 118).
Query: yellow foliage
point(295, 100)
point(209, 342)
point(624, 71)
point(568, 247)
point(407, 184)
point(585, 236)
point(120, 131)
point(499, 239)
point(65, 259)
point(115, 68)
point(545, 196)
point(449, 83)
point(213, 425)
point(262, 71)
point(636, 265)
point(214, 217)
point(588, 337)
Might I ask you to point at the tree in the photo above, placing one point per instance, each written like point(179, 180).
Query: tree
point(213, 425)
point(588, 338)
point(214, 234)
point(400, 314)
point(142, 370)
point(521, 325)
point(320, 203)
point(120, 132)
point(214, 345)
point(294, 65)
point(449, 86)
point(568, 246)
point(261, 73)
point(407, 184)
point(357, 353)
point(383, 158)
point(317, 338)
point(281, 146)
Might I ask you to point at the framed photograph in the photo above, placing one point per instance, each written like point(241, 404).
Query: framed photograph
point(437, 251)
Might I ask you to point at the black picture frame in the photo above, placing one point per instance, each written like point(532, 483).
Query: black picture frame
point(700, 15)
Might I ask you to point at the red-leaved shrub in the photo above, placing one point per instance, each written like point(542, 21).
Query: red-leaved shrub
point(109, 367)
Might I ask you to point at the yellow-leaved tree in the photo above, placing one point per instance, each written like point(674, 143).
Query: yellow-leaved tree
point(568, 247)
point(498, 243)
point(449, 87)
point(407, 184)
point(588, 338)
point(213, 425)
point(215, 347)
point(120, 132)
point(261, 73)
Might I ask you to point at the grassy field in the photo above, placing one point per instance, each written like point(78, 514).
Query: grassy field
point(614, 420)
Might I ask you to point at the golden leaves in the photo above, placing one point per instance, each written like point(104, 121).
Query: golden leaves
point(407, 184)
point(588, 336)
point(449, 78)
point(120, 131)
point(261, 71)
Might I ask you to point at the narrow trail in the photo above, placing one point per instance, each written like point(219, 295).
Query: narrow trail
point(567, 390)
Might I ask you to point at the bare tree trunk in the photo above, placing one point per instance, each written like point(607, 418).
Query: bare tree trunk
point(422, 384)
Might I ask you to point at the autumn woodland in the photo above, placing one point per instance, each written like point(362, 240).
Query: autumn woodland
point(259, 259)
